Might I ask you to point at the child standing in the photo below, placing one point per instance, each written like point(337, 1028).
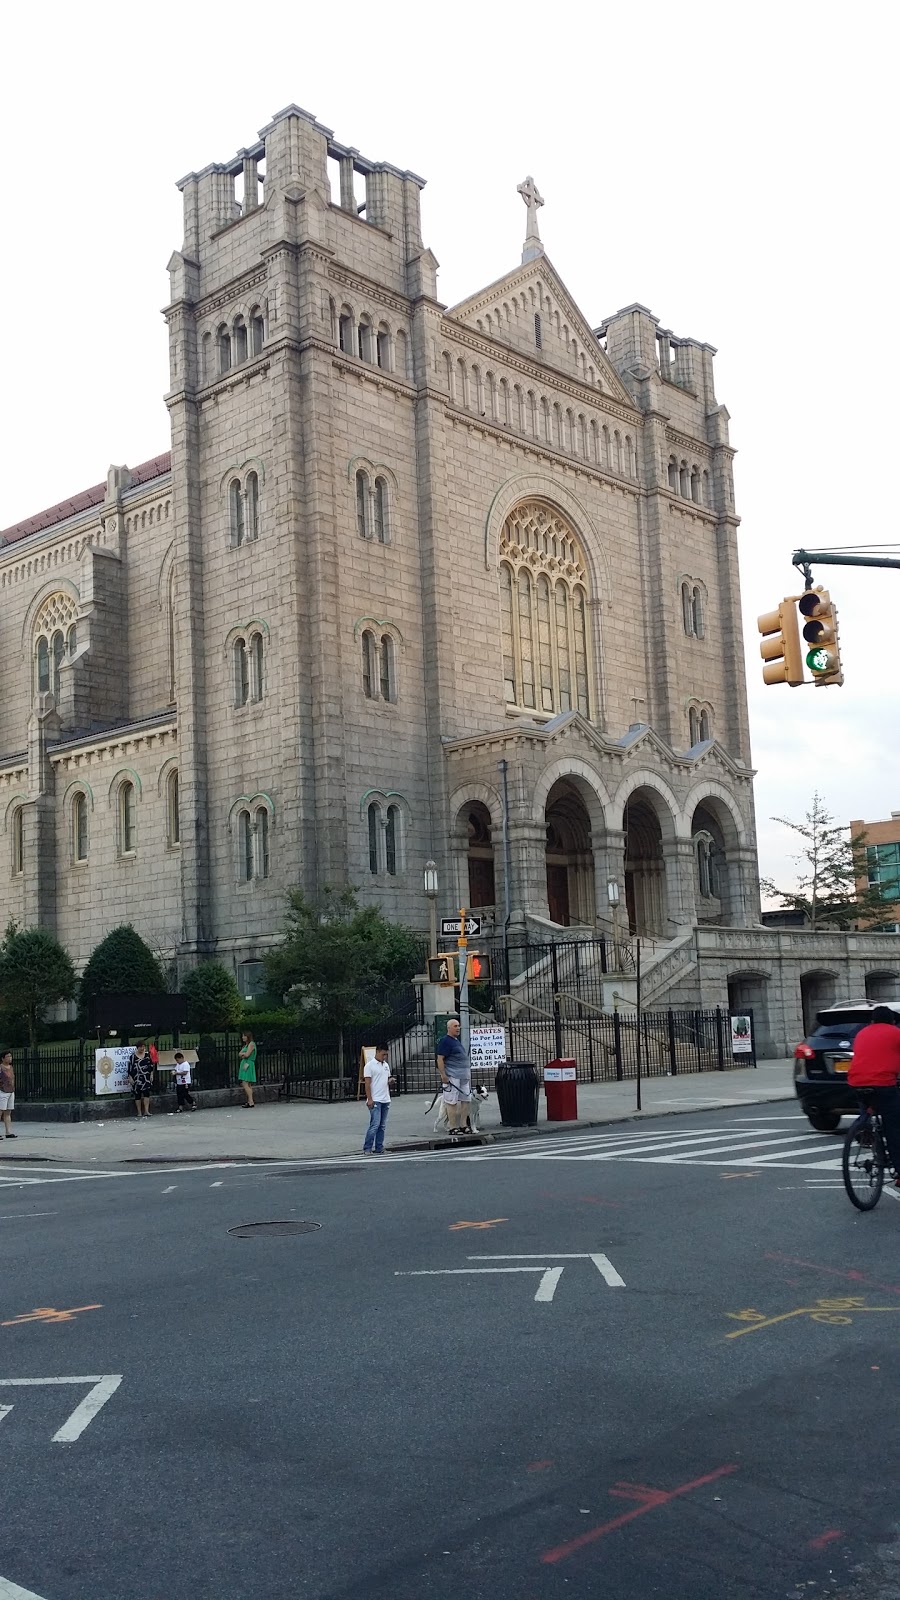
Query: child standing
point(182, 1074)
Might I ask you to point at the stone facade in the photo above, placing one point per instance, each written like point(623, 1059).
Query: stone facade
point(411, 583)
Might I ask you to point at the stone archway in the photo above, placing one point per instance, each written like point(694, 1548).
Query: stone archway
point(817, 990)
point(646, 896)
point(480, 855)
point(569, 856)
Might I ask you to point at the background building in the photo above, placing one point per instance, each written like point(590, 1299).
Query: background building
point(410, 581)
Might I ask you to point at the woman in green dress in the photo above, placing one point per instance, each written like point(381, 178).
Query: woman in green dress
point(247, 1068)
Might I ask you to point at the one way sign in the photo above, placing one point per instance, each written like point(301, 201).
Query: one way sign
point(450, 926)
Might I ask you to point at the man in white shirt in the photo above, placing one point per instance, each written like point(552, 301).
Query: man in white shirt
point(378, 1080)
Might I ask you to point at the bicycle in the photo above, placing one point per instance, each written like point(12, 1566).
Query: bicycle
point(864, 1159)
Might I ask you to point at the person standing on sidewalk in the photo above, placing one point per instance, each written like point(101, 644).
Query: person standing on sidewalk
point(378, 1080)
point(7, 1092)
point(140, 1072)
point(456, 1077)
point(182, 1075)
point(247, 1068)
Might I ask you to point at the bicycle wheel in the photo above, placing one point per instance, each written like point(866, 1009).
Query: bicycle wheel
point(863, 1164)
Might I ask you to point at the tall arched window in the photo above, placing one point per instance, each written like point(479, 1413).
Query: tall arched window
point(543, 612)
point(43, 666)
point(257, 331)
point(241, 673)
point(686, 611)
point(54, 638)
point(17, 828)
point(173, 818)
point(251, 493)
point(693, 726)
point(369, 665)
point(127, 819)
point(362, 504)
point(380, 509)
point(387, 667)
point(223, 340)
point(256, 666)
point(704, 724)
point(373, 818)
point(57, 656)
point(236, 511)
point(239, 339)
point(697, 613)
point(364, 335)
point(79, 827)
point(262, 842)
point(391, 835)
point(383, 347)
point(346, 331)
point(245, 846)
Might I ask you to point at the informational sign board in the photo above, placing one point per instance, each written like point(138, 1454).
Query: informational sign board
point(741, 1036)
point(487, 1048)
point(111, 1069)
point(450, 926)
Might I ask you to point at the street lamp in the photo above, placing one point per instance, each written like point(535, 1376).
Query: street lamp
point(431, 894)
point(612, 895)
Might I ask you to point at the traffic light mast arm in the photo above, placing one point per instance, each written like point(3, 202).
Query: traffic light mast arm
point(835, 558)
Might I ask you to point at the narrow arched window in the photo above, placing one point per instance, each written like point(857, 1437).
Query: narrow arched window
point(526, 638)
point(391, 830)
point(18, 840)
point(693, 727)
point(506, 629)
point(43, 666)
point(381, 511)
point(687, 614)
point(369, 665)
point(387, 668)
point(697, 614)
point(72, 640)
point(256, 667)
point(245, 846)
point(703, 874)
point(57, 654)
point(346, 332)
point(80, 827)
point(239, 339)
point(251, 492)
point(241, 673)
point(257, 331)
point(673, 475)
point(704, 724)
point(262, 842)
point(362, 504)
point(127, 819)
point(383, 348)
point(545, 662)
point(236, 511)
point(684, 481)
point(537, 331)
point(173, 818)
point(695, 485)
point(224, 346)
point(364, 336)
point(373, 815)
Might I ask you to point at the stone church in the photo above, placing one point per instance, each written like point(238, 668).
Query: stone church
point(410, 583)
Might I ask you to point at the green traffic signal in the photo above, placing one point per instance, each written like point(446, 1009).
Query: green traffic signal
point(819, 660)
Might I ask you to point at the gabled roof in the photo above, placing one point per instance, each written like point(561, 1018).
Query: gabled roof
point(541, 275)
point(95, 496)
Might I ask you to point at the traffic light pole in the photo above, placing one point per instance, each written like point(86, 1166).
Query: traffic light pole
point(462, 946)
point(804, 559)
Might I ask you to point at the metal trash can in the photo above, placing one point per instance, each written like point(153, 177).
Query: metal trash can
point(561, 1090)
point(518, 1086)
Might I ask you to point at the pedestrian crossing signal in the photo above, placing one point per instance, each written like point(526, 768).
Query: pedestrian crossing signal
point(479, 969)
point(445, 968)
point(442, 969)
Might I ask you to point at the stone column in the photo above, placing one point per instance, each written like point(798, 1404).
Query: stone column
point(678, 856)
point(528, 855)
point(609, 862)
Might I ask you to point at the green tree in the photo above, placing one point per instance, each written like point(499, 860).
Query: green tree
point(35, 973)
point(339, 961)
point(120, 964)
point(212, 996)
point(832, 880)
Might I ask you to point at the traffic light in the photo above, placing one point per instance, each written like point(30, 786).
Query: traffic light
point(478, 969)
point(821, 632)
point(780, 647)
point(442, 969)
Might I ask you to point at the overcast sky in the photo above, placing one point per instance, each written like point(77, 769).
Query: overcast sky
point(733, 168)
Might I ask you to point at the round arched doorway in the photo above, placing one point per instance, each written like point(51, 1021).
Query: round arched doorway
point(645, 868)
point(480, 855)
point(570, 860)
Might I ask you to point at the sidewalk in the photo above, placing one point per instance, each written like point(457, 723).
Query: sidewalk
point(304, 1129)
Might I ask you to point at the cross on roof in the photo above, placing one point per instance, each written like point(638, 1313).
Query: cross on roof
point(529, 192)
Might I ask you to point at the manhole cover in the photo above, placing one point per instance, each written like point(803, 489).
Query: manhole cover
point(249, 1230)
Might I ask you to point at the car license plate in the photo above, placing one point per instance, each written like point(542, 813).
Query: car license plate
point(840, 1065)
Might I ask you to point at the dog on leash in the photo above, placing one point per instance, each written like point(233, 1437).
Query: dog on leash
point(473, 1120)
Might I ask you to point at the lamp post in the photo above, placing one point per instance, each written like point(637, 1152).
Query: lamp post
point(431, 894)
point(612, 895)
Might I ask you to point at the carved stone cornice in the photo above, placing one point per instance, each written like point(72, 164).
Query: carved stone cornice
point(540, 450)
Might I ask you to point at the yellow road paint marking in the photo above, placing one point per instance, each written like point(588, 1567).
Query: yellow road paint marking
point(48, 1314)
point(832, 1311)
point(455, 1227)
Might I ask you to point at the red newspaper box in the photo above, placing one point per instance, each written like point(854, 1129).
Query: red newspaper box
point(561, 1090)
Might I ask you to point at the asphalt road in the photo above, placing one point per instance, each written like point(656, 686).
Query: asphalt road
point(655, 1360)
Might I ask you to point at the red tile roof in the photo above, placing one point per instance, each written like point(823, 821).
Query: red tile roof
point(145, 473)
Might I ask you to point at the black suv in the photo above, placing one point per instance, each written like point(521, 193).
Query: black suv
point(822, 1061)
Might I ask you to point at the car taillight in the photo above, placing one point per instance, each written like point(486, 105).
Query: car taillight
point(805, 1052)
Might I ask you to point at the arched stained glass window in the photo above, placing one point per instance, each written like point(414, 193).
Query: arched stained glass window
point(544, 612)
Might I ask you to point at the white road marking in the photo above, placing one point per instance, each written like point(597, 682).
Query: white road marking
point(171, 1189)
point(546, 1289)
point(6, 1215)
point(12, 1591)
point(602, 1263)
point(803, 1141)
point(216, 1185)
point(4, 1412)
point(103, 1386)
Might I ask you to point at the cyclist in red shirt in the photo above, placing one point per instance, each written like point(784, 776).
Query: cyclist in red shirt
point(874, 1071)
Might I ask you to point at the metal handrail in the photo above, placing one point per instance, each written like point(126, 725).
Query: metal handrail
point(527, 1005)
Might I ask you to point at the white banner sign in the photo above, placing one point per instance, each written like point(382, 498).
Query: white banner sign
point(487, 1048)
point(741, 1036)
point(111, 1068)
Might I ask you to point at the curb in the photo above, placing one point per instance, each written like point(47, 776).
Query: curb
point(495, 1136)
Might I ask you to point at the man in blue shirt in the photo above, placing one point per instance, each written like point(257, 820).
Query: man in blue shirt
point(456, 1077)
